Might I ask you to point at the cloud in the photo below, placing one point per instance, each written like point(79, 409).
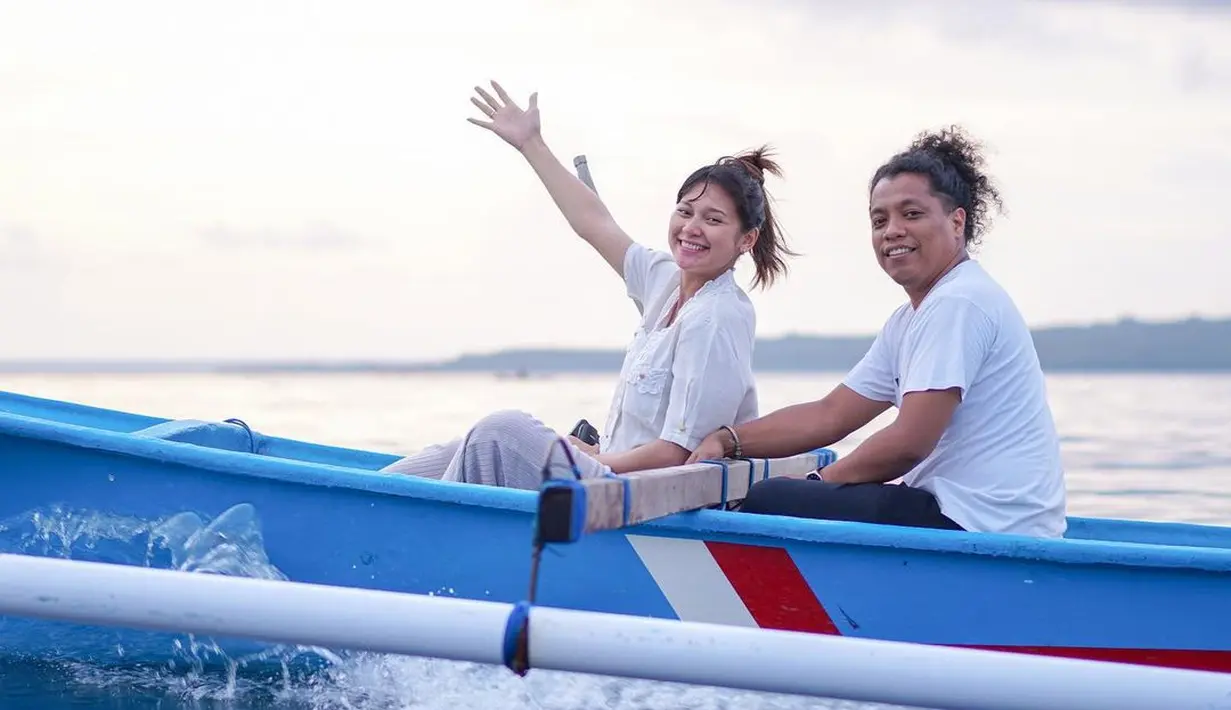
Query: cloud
point(1200, 71)
point(20, 248)
point(15, 236)
point(336, 138)
point(1200, 6)
point(320, 236)
point(1182, 44)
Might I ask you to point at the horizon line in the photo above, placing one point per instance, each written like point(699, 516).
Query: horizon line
point(262, 363)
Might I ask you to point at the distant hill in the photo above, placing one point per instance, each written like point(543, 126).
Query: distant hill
point(1128, 345)
point(1188, 345)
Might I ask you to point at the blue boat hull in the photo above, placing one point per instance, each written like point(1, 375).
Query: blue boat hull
point(92, 484)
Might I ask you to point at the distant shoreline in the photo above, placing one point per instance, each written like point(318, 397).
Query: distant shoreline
point(1192, 345)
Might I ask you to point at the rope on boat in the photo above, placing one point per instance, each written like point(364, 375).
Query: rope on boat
point(244, 425)
point(517, 629)
point(516, 649)
point(725, 504)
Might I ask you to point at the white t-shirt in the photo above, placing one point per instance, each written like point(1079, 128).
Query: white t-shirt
point(683, 381)
point(997, 467)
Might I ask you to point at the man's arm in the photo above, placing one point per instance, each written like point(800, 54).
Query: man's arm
point(944, 347)
point(812, 425)
point(893, 451)
point(803, 427)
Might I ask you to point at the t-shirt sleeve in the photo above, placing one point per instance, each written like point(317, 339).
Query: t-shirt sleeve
point(945, 346)
point(646, 272)
point(711, 375)
point(872, 376)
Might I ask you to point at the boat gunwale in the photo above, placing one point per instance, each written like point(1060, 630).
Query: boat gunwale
point(782, 531)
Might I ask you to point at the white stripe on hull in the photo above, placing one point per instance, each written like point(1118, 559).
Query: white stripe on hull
point(691, 579)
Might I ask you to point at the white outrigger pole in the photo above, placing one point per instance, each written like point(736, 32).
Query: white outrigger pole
point(607, 644)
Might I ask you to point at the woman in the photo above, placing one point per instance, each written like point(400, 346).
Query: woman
point(974, 441)
point(688, 369)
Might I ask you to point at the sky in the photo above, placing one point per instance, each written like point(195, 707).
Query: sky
point(297, 180)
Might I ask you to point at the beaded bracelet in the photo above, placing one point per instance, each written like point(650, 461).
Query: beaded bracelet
point(739, 451)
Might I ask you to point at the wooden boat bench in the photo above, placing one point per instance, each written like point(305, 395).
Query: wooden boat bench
point(569, 508)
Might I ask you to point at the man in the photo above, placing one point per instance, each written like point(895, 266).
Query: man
point(974, 441)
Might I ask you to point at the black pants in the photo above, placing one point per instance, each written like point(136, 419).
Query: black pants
point(884, 503)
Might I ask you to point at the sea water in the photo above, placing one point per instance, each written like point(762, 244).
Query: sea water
point(1148, 446)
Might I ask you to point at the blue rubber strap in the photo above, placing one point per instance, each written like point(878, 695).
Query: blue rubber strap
point(824, 457)
point(577, 508)
point(628, 498)
point(628, 495)
point(518, 621)
point(725, 473)
point(765, 475)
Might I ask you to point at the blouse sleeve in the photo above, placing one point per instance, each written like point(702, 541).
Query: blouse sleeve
point(646, 272)
point(712, 375)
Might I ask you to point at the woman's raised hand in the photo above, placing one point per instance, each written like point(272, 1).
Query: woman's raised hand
point(508, 120)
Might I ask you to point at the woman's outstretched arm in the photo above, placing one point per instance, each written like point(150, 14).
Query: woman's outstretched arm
point(583, 209)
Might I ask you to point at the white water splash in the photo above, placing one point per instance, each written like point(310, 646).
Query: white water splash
point(55, 531)
point(229, 544)
point(373, 682)
point(232, 544)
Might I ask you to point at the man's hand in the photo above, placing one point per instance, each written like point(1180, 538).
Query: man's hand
point(711, 447)
point(893, 451)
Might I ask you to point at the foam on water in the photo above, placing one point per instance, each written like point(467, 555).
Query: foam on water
point(204, 675)
point(369, 682)
point(229, 544)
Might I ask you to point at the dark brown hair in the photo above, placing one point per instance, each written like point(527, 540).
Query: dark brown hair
point(743, 178)
point(953, 163)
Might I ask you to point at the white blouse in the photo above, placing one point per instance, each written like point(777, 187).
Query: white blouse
point(682, 381)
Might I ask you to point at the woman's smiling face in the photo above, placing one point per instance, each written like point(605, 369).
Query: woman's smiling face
point(705, 234)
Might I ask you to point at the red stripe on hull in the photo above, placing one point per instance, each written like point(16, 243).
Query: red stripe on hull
point(771, 586)
point(1216, 661)
point(775, 592)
